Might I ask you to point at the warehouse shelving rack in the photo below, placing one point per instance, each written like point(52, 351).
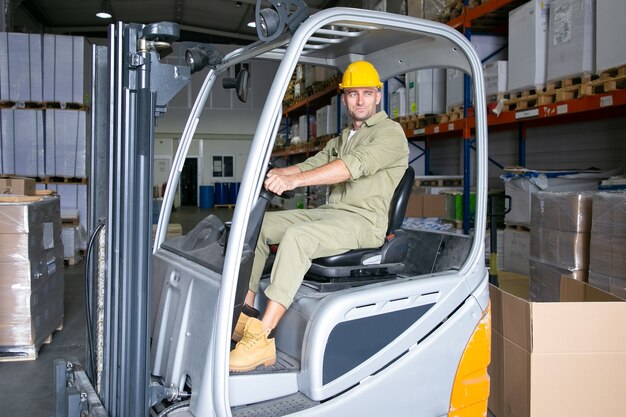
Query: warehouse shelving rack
point(492, 16)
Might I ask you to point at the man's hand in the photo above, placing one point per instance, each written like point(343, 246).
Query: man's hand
point(278, 182)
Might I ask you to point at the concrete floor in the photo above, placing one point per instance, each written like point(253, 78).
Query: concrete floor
point(27, 387)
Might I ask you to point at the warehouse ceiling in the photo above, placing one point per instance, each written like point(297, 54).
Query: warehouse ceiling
point(211, 21)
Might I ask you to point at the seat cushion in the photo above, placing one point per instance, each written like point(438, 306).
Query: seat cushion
point(350, 258)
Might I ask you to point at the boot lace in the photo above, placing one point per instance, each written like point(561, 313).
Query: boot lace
point(249, 340)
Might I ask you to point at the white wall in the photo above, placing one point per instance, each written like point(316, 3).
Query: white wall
point(226, 126)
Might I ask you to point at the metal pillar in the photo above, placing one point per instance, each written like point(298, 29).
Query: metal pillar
point(467, 143)
point(521, 144)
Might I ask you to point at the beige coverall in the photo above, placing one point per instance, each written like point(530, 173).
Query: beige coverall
point(356, 215)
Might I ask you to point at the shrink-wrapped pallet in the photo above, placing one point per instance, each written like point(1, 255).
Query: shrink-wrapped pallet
point(559, 241)
point(608, 242)
point(31, 275)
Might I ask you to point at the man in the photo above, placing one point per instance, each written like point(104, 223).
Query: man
point(363, 167)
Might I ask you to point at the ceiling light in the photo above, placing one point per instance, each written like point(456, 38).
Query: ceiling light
point(238, 4)
point(105, 11)
point(252, 24)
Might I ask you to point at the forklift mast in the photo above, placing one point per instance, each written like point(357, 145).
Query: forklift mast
point(130, 90)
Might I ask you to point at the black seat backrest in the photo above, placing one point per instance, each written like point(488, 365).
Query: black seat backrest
point(400, 199)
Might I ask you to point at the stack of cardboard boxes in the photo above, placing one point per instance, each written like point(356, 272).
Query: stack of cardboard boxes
point(607, 269)
point(31, 275)
point(559, 241)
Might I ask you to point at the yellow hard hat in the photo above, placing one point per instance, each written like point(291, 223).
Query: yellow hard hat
point(360, 74)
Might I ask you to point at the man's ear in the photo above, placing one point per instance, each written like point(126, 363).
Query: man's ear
point(379, 96)
point(343, 99)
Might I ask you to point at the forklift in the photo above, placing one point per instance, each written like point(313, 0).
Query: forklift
point(404, 332)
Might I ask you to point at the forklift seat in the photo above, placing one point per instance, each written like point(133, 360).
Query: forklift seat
point(372, 264)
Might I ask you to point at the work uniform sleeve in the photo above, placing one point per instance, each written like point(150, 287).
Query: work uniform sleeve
point(383, 149)
point(326, 155)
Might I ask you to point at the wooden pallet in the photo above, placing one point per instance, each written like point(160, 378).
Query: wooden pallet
point(42, 105)
point(517, 227)
point(415, 121)
point(496, 98)
point(438, 182)
point(69, 221)
point(27, 352)
point(455, 113)
point(609, 80)
point(72, 260)
point(20, 198)
point(62, 180)
point(526, 99)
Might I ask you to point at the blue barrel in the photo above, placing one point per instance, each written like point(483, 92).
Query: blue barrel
point(221, 193)
point(156, 209)
point(233, 192)
point(206, 196)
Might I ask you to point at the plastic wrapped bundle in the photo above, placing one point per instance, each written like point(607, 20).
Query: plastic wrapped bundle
point(559, 240)
point(31, 274)
point(564, 211)
point(608, 242)
point(545, 280)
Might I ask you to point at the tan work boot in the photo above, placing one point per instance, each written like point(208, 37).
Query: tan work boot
point(246, 313)
point(254, 349)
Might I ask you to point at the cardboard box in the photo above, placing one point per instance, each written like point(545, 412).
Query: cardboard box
point(424, 205)
point(426, 91)
point(517, 251)
point(545, 279)
point(564, 358)
point(454, 88)
point(454, 204)
point(607, 268)
point(495, 75)
point(397, 105)
point(609, 18)
point(17, 185)
point(31, 272)
point(563, 211)
point(567, 250)
point(528, 45)
point(571, 38)
point(610, 284)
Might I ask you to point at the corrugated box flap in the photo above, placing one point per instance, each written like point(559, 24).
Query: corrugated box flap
point(578, 327)
point(516, 320)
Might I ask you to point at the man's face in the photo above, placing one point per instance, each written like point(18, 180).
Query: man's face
point(361, 102)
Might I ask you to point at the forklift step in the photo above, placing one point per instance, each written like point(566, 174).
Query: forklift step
point(279, 407)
